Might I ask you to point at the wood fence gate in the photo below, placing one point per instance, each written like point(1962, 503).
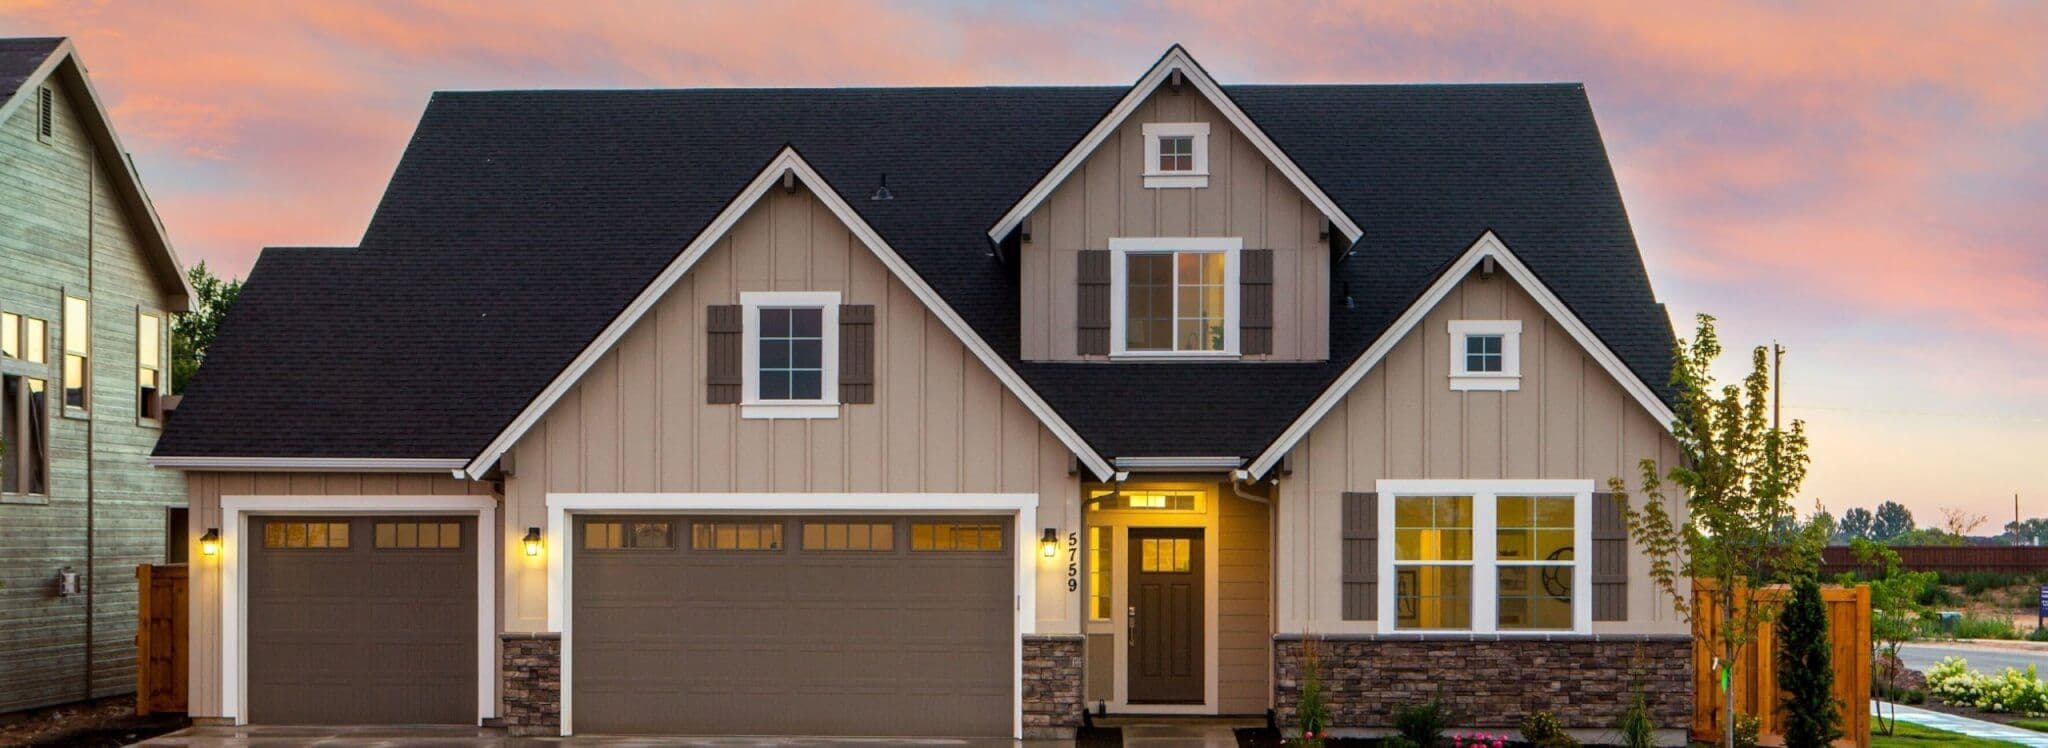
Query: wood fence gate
point(1755, 687)
point(160, 656)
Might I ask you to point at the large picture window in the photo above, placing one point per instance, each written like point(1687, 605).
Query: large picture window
point(1486, 556)
point(1174, 297)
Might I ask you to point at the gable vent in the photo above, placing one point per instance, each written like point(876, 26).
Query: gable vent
point(46, 114)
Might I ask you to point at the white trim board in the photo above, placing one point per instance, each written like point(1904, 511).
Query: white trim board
point(1176, 60)
point(1488, 246)
point(317, 464)
point(234, 583)
point(788, 162)
point(1022, 507)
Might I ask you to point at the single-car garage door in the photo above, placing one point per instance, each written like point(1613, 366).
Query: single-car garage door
point(854, 626)
point(362, 620)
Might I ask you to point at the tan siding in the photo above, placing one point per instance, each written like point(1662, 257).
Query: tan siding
point(1244, 626)
point(1106, 198)
point(204, 492)
point(1569, 419)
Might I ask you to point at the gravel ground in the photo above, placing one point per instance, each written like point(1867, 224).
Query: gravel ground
point(110, 722)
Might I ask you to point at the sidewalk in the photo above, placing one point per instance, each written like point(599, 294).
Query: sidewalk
point(1975, 728)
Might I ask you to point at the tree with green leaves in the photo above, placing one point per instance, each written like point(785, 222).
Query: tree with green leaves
point(1894, 607)
point(1805, 671)
point(1735, 525)
point(193, 332)
point(1855, 525)
point(1892, 520)
point(1825, 524)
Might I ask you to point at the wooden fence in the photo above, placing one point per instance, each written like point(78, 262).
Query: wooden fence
point(2017, 559)
point(1755, 689)
point(160, 655)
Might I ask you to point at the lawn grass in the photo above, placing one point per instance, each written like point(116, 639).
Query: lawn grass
point(1910, 735)
point(2037, 725)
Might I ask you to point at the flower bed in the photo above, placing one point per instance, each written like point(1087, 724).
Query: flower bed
point(2011, 691)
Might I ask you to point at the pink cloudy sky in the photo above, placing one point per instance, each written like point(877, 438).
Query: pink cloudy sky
point(1866, 185)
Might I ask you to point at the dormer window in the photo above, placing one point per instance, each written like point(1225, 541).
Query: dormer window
point(1176, 155)
point(1486, 355)
point(1174, 297)
point(791, 361)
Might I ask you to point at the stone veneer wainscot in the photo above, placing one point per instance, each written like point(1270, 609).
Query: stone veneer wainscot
point(1052, 687)
point(532, 672)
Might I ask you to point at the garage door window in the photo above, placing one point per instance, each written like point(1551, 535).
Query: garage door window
point(849, 536)
point(414, 535)
point(305, 535)
point(934, 536)
point(736, 536)
point(618, 536)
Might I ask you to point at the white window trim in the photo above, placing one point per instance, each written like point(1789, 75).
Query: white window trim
point(1155, 178)
point(1509, 378)
point(1485, 568)
point(1231, 247)
point(751, 404)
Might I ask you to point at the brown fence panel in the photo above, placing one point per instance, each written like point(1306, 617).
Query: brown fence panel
point(1755, 691)
point(160, 656)
point(1997, 559)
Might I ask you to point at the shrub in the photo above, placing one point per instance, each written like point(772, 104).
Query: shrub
point(1805, 672)
point(1746, 728)
point(1314, 714)
point(1396, 741)
point(1423, 723)
point(2039, 634)
point(1542, 730)
point(1478, 740)
point(1937, 596)
point(2011, 691)
point(1637, 729)
point(1973, 627)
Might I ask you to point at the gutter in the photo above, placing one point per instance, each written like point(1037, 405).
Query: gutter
point(317, 464)
point(1158, 464)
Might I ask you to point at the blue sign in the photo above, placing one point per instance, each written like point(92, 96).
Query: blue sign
point(2044, 600)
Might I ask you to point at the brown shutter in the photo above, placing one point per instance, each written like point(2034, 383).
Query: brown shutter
point(1610, 559)
point(1255, 302)
point(1091, 313)
point(1361, 555)
point(722, 353)
point(856, 353)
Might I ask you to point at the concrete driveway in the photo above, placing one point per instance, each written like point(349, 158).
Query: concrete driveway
point(473, 737)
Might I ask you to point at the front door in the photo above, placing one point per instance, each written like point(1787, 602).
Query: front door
point(1165, 616)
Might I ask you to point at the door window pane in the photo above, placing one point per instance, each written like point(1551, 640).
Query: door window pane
point(1165, 555)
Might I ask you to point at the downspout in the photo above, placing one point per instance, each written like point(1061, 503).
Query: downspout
point(1236, 476)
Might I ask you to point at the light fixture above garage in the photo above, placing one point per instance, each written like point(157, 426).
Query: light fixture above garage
point(532, 541)
point(1049, 545)
point(209, 544)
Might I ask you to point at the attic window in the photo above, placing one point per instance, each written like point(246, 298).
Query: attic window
point(46, 113)
point(1486, 355)
point(1176, 155)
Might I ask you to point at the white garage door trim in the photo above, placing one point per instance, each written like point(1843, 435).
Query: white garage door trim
point(234, 597)
point(1022, 506)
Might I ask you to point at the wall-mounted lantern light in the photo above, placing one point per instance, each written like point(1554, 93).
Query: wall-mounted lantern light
point(1049, 545)
point(209, 544)
point(532, 541)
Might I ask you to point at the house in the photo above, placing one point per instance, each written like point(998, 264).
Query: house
point(88, 282)
point(943, 411)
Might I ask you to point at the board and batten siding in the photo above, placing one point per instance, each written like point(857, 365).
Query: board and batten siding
point(205, 491)
point(638, 421)
point(64, 229)
point(1569, 420)
point(1106, 198)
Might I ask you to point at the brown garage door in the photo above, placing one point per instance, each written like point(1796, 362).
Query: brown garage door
point(858, 626)
point(362, 620)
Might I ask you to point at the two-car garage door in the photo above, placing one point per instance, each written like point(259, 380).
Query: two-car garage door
point(831, 625)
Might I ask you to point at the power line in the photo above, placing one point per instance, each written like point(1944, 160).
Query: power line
point(1922, 413)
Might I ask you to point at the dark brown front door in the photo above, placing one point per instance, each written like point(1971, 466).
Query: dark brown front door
point(362, 620)
point(1166, 616)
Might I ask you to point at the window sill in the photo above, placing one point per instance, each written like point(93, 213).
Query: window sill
point(149, 423)
point(77, 414)
point(29, 499)
point(775, 411)
point(1485, 383)
point(1175, 181)
point(1174, 356)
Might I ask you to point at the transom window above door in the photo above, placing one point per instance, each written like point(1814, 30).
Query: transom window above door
point(791, 362)
point(1174, 297)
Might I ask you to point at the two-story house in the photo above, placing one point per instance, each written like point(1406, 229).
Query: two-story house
point(87, 286)
point(943, 411)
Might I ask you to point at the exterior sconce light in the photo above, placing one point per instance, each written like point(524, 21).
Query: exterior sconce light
point(1049, 545)
point(532, 541)
point(209, 544)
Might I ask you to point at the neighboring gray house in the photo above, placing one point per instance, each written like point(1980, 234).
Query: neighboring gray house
point(943, 411)
point(87, 286)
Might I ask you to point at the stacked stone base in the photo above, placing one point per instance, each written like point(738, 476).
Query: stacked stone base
point(531, 666)
point(1052, 687)
point(1587, 681)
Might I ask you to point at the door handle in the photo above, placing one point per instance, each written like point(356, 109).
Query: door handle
point(1131, 626)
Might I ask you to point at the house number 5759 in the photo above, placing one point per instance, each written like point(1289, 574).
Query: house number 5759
point(1073, 561)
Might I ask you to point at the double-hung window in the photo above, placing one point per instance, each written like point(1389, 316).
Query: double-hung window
point(1486, 556)
point(1174, 297)
point(790, 358)
point(77, 353)
point(149, 367)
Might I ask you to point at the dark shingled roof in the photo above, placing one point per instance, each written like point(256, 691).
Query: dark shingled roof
point(19, 58)
point(519, 223)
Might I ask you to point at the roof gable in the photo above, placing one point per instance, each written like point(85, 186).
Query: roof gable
point(1175, 65)
point(60, 64)
point(786, 165)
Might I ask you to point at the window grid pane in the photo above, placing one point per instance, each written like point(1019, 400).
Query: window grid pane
point(10, 335)
point(1177, 153)
point(849, 536)
point(1483, 353)
point(736, 536)
point(1099, 573)
point(1148, 302)
point(933, 536)
point(792, 353)
point(305, 534)
point(1430, 596)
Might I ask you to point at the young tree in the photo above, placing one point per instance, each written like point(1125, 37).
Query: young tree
point(1856, 524)
point(1894, 606)
point(192, 332)
point(1891, 521)
point(1824, 523)
point(1738, 477)
point(1961, 523)
point(1804, 670)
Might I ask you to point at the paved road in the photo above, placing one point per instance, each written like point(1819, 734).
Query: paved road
point(1922, 656)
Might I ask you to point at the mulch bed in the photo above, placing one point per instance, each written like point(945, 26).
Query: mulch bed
point(1267, 737)
point(1099, 737)
point(110, 723)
